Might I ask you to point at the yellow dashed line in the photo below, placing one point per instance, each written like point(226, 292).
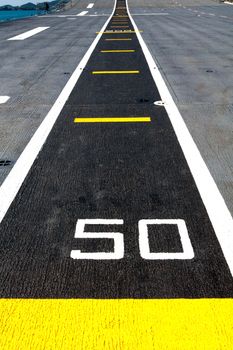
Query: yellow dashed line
point(112, 120)
point(120, 32)
point(116, 72)
point(113, 51)
point(125, 39)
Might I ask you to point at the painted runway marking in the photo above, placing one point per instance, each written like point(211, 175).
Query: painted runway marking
point(113, 120)
point(83, 13)
point(117, 237)
point(113, 51)
point(90, 5)
point(28, 34)
point(119, 32)
point(189, 323)
point(116, 72)
point(4, 99)
point(215, 205)
point(112, 39)
point(144, 244)
point(119, 26)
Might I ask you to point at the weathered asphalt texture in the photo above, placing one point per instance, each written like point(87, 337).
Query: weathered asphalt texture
point(34, 71)
point(192, 46)
point(122, 171)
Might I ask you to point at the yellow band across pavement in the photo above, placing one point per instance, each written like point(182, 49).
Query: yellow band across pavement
point(124, 324)
point(116, 72)
point(113, 120)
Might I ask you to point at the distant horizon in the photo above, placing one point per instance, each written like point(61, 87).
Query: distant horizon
point(20, 2)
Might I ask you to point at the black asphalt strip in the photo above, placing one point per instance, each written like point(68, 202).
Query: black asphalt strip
point(129, 171)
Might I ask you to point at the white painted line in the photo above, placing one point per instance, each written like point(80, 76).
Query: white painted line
point(215, 205)
point(90, 5)
point(83, 13)
point(228, 3)
point(4, 99)
point(14, 180)
point(28, 34)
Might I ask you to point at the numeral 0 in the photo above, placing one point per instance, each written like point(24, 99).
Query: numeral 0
point(118, 239)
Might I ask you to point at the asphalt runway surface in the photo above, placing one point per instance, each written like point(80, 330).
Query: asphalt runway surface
point(110, 219)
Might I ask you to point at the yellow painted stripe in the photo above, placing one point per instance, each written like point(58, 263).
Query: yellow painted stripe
point(125, 39)
point(120, 32)
point(116, 72)
point(113, 120)
point(126, 324)
point(106, 51)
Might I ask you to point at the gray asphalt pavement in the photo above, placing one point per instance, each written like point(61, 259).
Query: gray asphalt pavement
point(193, 48)
point(34, 71)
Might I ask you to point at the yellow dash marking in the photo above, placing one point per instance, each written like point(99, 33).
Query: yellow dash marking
point(112, 120)
point(108, 324)
point(125, 39)
point(120, 32)
point(116, 72)
point(106, 51)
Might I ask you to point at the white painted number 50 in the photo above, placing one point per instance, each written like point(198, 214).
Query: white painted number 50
point(144, 245)
point(118, 238)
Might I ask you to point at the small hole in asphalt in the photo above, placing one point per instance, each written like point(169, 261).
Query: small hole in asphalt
point(5, 162)
point(143, 100)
